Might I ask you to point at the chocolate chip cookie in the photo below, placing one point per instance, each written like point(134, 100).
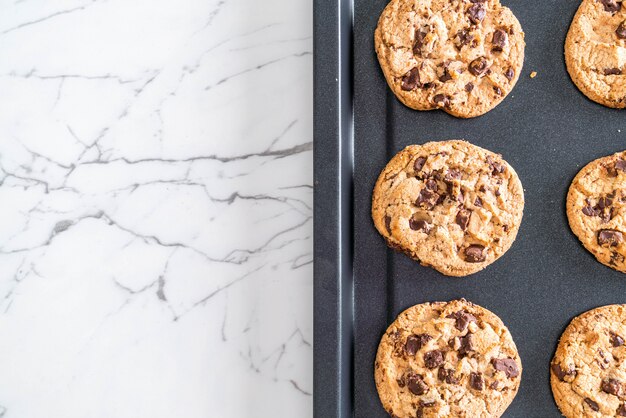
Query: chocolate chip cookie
point(588, 372)
point(596, 209)
point(595, 51)
point(451, 359)
point(461, 56)
point(449, 205)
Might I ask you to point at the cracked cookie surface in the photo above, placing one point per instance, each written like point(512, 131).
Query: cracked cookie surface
point(588, 372)
point(596, 209)
point(447, 360)
point(595, 51)
point(450, 205)
point(461, 56)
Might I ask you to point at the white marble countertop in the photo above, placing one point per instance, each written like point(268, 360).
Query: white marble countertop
point(156, 208)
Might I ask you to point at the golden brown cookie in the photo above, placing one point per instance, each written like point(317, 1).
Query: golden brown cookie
point(588, 372)
point(461, 56)
point(595, 51)
point(596, 209)
point(450, 205)
point(451, 359)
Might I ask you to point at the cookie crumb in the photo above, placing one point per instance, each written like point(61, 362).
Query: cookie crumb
point(533, 74)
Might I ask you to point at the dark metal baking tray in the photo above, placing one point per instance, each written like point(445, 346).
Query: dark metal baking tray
point(546, 129)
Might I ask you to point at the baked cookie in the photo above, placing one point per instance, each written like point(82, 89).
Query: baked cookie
point(588, 372)
point(449, 205)
point(596, 209)
point(451, 359)
point(461, 56)
point(595, 51)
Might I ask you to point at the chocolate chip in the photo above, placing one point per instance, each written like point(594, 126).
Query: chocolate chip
point(476, 13)
point(462, 319)
point(441, 100)
point(419, 225)
point(605, 202)
point(431, 185)
point(621, 30)
point(612, 71)
point(620, 165)
point(561, 373)
point(467, 345)
point(478, 202)
point(478, 66)
point(610, 237)
point(594, 406)
point(388, 224)
point(401, 382)
point(497, 90)
point(616, 340)
point(411, 80)
point(420, 36)
point(496, 167)
point(509, 74)
point(416, 384)
point(621, 411)
point(433, 359)
point(476, 381)
point(419, 163)
point(462, 218)
point(606, 215)
point(447, 375)
point(469, 87)
point(445, 76)
point(616, 258)
point(463, 37)
point(590, 211)
point(612, 387)
point(427, 199)
point(506, 365)
point(499, 40)
point(611, 6)
point(415, 342)
point(475, 254)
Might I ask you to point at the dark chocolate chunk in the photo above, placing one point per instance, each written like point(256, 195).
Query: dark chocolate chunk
point(420, 35)
point(621, 411)
point(419, 163)
point(476, 381)
point(388, 224)
point(621, 30)
point(506, 365)
point(590, 211)
point(616, 258)
point(466, 345)
point(478, 66)
point(605, 202)
point(401, 382)
point(433, 359)
point(445, 76)
point(462, 319)
point(561, 373)
point(496, 167)
point(411, 80)
point(431, 185)
point(612, 387)
point(616, 340)
point(419, 225)
point(416, 384)
point(475, 254)
point(499, 40)
point(469, 87)
point(415, 342)
point(611, 6)
point(478, 202)
point(447, 376)
point(441, 100)
point(462, 218)
point(620, 165)
point(427, 199)
point(612, 71)
point(509, 74)
point(497, 90)
point(610, 237)
point(594, 406)
point(463, 37)
point(477, 13)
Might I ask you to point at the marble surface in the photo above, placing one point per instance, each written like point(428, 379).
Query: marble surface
point(155, 208)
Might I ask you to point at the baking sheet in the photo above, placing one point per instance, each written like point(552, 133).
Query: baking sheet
point(546, 129)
